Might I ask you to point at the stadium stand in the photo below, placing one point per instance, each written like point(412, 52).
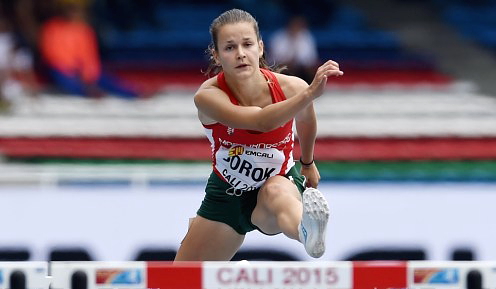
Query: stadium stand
point(422, 28)
point(394, 116)
point(475, 20)
point(150, 52)
point(398, 115)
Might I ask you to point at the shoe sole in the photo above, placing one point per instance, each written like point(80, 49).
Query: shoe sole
point(315, 217)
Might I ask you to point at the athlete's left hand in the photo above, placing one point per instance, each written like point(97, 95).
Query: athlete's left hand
point(312, 174)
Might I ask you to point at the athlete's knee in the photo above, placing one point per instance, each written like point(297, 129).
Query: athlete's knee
point(272, 190)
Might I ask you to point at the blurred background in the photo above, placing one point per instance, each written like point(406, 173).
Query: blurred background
point(103, 158)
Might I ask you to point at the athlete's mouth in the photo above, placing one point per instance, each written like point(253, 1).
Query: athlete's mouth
point(242, 65)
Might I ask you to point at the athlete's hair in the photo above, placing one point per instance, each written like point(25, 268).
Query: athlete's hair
point(232, 16)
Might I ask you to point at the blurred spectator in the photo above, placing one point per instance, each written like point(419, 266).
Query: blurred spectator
point(69, 47)
point(17, 77)
point(294, 46)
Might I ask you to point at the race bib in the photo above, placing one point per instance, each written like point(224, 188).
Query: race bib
point(247, 168)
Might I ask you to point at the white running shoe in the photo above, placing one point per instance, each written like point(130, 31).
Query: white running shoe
point(312, 229)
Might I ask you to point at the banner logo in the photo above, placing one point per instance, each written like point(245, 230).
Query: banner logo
point(436, 276)
point(119, 276)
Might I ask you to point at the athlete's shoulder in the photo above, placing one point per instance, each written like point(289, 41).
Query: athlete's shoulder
point(209, 83)
point(209, 94)
point(208, 87)
point(290, 85)
point(207, 97)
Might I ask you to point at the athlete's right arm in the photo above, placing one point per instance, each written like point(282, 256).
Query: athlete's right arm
point(215, 106)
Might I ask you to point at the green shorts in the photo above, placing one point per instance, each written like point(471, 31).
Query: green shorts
point(222, 204)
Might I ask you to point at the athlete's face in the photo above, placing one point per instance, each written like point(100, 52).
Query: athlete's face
point(239, 50)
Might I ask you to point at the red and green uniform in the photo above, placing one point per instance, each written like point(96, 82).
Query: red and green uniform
point(242, 161)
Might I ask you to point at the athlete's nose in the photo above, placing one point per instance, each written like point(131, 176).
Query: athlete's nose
point(241, 53)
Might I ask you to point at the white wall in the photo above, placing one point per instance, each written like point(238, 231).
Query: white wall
point(113, 223)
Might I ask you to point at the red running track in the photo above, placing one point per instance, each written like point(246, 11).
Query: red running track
point(326, 149)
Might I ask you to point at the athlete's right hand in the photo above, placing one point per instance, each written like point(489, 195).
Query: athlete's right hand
point(330, 68)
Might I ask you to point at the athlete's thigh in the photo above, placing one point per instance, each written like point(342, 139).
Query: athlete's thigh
point(208, 240)
point(276, 195)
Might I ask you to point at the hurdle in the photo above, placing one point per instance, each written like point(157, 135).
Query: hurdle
point(249, 275)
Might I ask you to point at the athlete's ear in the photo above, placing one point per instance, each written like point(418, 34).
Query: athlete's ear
point(216, 60)
point(215, 56)
point(261, 48)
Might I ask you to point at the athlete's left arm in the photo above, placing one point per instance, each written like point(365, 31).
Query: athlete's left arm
point(306, 127)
